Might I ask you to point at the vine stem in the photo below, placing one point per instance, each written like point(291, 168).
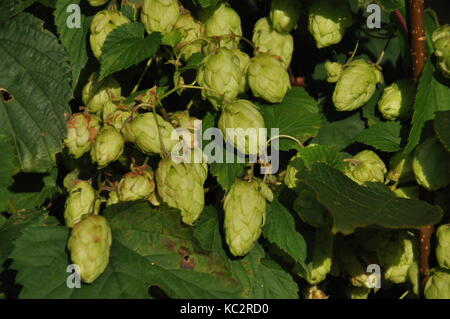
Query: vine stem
point(418, 57)
point(149, 62)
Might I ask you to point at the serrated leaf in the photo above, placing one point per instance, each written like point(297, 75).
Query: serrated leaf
point(37, 77)
point(431, 23)
point(206, 230)
point(297, 105)
point(351, 205)
point(323, 154)
point(6, 9)
point(441, 126)
point(384, 136)
point(193, 63)
point(126, 46)
point(432, 96)
point(172, 38)
point(280, 230)
point(391, 5)
point(73, 39)
point(8, 168)
point(339, 134)
point(370, 108)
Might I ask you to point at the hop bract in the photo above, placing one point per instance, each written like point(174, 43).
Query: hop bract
point(71, 180)
point(182, 120)
point(108, 146)
point(102, 24)
point(117, 118)
point(443, 247)
point(284, 15)
point(243, 126)
point(192, 32)
point(160, 15)
point(397, 100)
point(82, 129)
point(225, 23)
point(89, 245)
point(144, 133)
point(400, 168)
point(290, 179)
point(367, 167)
point(138, 184)
point(113, 198)
point(334, 71)
point(245, 215)
point(268, 78)
point(328, 21)
point(267, 40)
point(356, 85)
point(180, 185)
point(97, 93)
point(441, 42)
point(244, 60)
point(220, 74)
point(97, 3)
point(81, 202)
point(431, 164)
point(438, 285)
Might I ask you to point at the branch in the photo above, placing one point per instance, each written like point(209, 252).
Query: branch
point(418, 37)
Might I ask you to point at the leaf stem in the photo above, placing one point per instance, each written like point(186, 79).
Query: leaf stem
point(149, 62)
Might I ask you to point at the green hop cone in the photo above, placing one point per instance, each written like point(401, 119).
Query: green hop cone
point(443, 247)
point(438, 285)
point(107, 147)
point(410, 192)
point(144, 133)
point(160, 15)
point(180, 185)
point(97, 93)
point(397, 100)
point(80, 202)
point(138, 184)
point(401, 170)
point(245, 214)
point(334, 71)
point(220, 74)
point(82, 129)
point(242, 125)
point(268, 78)
point(328, 21)
point(89, 245)
point(117, 118)
point(192, 32)
point(102, 24)
point(182, 120)
point(431, 164)
point(315, 293)
point(367, 167)
point(244, 60)
point(267, 40)
point(284, 15)
point(441, 42)
point(353, 292)
point(225, 23)
point(113, 198)
point(97, 3)
point(71, 180)
point(356, 85)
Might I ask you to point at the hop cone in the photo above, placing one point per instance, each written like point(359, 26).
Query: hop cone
point(221, 75)
point(97, 93)
point(224, 22)
point(334, 71)
point(328, 21)
point(97, 3)
point(80, 202)
point(182, 120)
point(82, 129)
point(368, 167)
point(180, 185)
point(117, 118)
point(71, 180)
point(438, 285)
point(244, 60)
point(268, 78)
point(268, 40)
point(245, 215)
point(108, 146)
point(290, 179)
point(443, 247)
point(243, 126)
point(441, 42)
point(431, 164)
point(113, 198)
point(160, 15)
point(102, 24)
point(138, 184)
point(143, 132)
point(397, 100)
point(284, 15)
point(356, 85)
point(192, 31)
point(89, 245)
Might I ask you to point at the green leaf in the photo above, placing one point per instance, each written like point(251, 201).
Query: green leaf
point(207, 232)
point(126, 46)
point(431, 24)
point(8, 168)
point(441, 126)
point(6, 9)
point(370, 108)
point(384, 136)
point(206, 3)
point(172, 38)
point(37, 79)
point(280, 230)
point(324, 154)
point(352, 205)
point(339, 134)
point(73, 39)
point(391, 5)
point(193, 63)
point(297, 105)
point(432, 96)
